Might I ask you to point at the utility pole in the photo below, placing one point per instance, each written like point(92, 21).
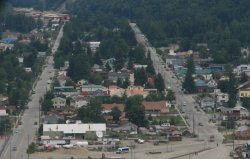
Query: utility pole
point(28, 147)
point(10, 149)
point(193, 125)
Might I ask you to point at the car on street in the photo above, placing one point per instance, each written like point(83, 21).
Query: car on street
point(14, 148)
point(200, 124)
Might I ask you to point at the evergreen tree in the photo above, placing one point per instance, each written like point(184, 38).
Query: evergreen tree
point(188, 83)
point(159, 83)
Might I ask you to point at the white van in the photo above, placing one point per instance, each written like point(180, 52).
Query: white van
point(165, 124)
point(123, 150)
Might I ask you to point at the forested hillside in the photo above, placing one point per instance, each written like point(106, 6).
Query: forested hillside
point(223, 24)
point(37, 4)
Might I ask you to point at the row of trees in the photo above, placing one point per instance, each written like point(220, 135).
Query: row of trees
point(222, 24)
point(134, 111)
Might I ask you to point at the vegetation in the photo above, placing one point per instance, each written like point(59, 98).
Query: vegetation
point(37, 4)
point(92, 112)
point(32, 148)
point(188, 83)
point(135, 110)
point(116, 114)
point(47, 103)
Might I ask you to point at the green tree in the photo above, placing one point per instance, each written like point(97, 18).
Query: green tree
point(47, 103)
point(159, 83)
point(79, 67)
point(92, 112)
point(232, 90)
point(116, 114)
point(188, 83)
point(170, 96)
point(32, 148)
point(135, 111)
point(140, 77)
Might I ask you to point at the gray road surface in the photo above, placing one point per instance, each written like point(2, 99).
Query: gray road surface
point(25, 133)
point(170, 79)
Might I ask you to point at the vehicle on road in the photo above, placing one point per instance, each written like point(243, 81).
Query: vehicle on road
point(68, 146)
point(211, 138)
point(165, 124)
point(200, 124)
point(14, 148)
point(123, 150)
point(140, 141)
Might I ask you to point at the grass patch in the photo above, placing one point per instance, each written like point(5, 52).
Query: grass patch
point(173, 120)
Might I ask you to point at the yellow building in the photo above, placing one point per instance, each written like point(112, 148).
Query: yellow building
point(244, 89)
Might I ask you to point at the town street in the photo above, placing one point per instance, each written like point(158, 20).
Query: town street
point(24, 134)
point(205, 131)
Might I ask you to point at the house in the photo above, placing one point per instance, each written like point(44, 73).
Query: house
point(225, 110)
point(59, 102)
point(211, 85)
point(9, 40)
point(206, 74)
point(222, 97)
point(138, 66)
point(94, 90)
point(27, 69)
point(62, 79)
point(51, 119)
point(200, 85)
point(217, 68)
point(62, 72)
point(240, 69)
point(9, 109)
point(4, 46)
point(79, 101)
point(94, 45)
point(156, 108)
point(96, 68)
point(127, 127)
point(244, 89)
point(242, 132)
point(207, 103)
point(239, 111)
point(114, 90)
point(107, 108)
point(136, 90)
point(114, 76)
point(224, 78)
point(4, 100)
point(3, 113)
point(65, 90)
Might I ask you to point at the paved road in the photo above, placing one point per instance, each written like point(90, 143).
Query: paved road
point(25, 133)
point(170, 80)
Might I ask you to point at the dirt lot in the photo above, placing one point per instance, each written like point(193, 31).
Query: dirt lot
point(141, 151)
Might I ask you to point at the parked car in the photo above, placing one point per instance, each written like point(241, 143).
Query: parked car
point(14, 148)
point(200, 124)
point(165, 124)
point(140, 141)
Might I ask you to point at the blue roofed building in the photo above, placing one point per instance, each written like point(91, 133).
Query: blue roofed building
point(8, 40)
point(200, 85)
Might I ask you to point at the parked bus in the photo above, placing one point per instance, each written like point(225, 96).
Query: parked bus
point(123, 150)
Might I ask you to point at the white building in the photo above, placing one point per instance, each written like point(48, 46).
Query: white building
point(222, 97)
point(241, 68)
point(94, 45)
point(59, 102)
point(78, 128)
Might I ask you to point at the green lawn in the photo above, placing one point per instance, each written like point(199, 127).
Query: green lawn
point(173, 120)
